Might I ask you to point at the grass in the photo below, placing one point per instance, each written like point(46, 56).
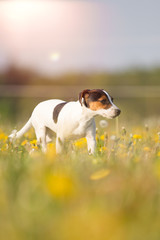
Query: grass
point(112, 195)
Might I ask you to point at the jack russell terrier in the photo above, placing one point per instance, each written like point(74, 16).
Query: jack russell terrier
point(70, 120)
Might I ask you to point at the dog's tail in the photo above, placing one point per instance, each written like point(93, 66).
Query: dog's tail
point(24, 129)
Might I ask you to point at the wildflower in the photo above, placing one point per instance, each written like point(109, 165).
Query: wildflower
point(102, 149)
point(103, 123)
point(60, 185)
point(3, 137)
point(81, 143)
point(102, 137)
point(34, 144)
point(147, 149)
point(24, 143)
point(158, 154)
point(4, 147)
point(51, 151)
point(131, 135)
point(146, 127)
point(136, 136)
point(113, 137)
point(123, 131)
point(100, 174)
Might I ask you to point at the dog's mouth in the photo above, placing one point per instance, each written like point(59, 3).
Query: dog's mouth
point(115, 114)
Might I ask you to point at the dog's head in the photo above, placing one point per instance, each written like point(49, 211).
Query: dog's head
point(99, 101)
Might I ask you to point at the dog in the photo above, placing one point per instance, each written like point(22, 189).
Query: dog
point(70, 120)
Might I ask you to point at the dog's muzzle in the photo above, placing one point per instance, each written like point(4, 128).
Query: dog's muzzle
point(117, 112)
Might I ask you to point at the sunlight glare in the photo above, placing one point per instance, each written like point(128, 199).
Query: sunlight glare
point(55, 57)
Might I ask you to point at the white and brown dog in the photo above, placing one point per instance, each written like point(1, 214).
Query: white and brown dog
point(70, 120)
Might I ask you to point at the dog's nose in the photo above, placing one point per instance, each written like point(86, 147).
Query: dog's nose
point(117, 111)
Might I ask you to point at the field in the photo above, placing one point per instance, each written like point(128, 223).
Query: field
point(112, 195)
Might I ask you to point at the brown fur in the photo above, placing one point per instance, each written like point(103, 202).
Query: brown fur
point(95, 99)
point(57, 110)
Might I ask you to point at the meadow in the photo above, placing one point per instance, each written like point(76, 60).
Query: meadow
point(114, 194)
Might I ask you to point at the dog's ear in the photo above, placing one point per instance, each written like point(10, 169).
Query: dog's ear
point(82, 96)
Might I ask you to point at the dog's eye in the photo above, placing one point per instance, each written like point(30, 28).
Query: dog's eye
point(104, 101)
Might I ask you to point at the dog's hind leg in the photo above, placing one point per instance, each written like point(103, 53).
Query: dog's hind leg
point(59, 145)
point(41, 137)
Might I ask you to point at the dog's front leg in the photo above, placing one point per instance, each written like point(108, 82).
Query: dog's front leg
point(59, 145)
point(91, 143)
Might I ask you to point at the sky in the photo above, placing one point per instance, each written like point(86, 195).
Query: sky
point(55, 37)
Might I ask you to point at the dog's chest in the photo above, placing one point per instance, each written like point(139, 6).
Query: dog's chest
point(77, 129)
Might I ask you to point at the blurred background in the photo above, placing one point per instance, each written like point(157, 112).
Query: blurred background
point(55, 49)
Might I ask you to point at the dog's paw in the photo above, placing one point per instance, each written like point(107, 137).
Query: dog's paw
point(12, 136)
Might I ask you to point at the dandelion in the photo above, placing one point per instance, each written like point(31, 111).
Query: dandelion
point(137, 136)
point(131, 135)
point(146, 127)
point(103, 123)
point(102, 137)
point(113, 138)
point(100, 174)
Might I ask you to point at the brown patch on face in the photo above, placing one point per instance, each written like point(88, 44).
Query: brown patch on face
point(97, 99)
point(99, 105)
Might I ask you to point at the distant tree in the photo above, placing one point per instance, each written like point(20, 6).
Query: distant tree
point(15, 75)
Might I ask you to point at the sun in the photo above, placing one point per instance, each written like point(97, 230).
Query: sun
point(55, 57)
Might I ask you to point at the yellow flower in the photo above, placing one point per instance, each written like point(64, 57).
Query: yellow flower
point(102, 137)
point(34, 144)
point(102, 149)
point(81, 143)
point(4, 148)
point(60, 185)
point(3, 137)
point(137, 136)
point(147, 149)
point(158, 154)
point(100, 174)
point(24, 143)
point(51, 151)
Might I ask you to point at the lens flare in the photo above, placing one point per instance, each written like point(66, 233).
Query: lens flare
point(55, 57)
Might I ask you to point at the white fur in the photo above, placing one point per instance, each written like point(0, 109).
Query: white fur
point(74, 122)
